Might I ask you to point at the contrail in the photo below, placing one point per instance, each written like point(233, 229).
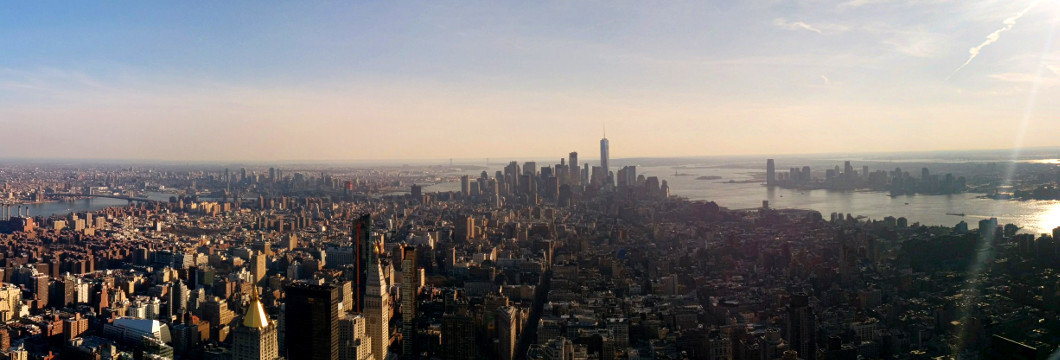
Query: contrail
point(993, 37)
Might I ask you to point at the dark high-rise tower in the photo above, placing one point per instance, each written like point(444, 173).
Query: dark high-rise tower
point(802, 326)
point(311, 319)
point(575, 171)
point(771, 173)
point(605, 155)
point(458, 330)
point(409, 290)
point(362, 245)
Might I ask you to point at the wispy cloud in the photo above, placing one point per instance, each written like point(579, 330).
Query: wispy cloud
point(860, 3)
point(994, 36)
point(795, 25)
point(916, 43)
point(1025, 78)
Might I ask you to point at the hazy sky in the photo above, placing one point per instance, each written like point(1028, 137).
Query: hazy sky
point(230, 80)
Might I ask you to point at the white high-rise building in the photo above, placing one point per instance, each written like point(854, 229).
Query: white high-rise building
point(377, 306)
point(354, 343)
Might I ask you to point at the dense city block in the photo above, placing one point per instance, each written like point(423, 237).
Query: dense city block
point(561, 261)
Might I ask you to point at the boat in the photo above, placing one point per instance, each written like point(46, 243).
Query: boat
point(955, 214)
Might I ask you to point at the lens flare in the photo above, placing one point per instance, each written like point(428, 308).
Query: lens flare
point(985, 250)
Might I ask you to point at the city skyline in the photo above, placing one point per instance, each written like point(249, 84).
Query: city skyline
point(276, 82)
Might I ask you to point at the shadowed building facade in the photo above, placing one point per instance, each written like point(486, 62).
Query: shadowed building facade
point(311, 317)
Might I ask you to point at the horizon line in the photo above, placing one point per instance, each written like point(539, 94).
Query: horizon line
point(489, 160)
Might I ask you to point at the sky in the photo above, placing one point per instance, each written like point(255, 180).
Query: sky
point(351, 80)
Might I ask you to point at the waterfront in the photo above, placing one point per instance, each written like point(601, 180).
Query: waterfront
point(64, 207)
point(746, 191)
point(1033, 216)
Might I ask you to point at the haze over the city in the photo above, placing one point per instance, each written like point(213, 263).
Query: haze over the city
point(340, 81)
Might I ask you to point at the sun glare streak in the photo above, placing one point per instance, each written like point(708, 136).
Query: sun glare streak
point(1028, 109)
point(985, 250)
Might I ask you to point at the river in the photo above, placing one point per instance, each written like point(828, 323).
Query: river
point(63, 207)
point(1033, 216)
point(747, 191)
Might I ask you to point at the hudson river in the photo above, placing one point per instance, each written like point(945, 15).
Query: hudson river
point(747, 192)
point(1032, 216)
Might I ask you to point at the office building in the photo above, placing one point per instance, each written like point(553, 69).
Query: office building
point(574, 173)
point(801, 326)
point(377, 308)
point(771, 173)
point(507, 328)
point(311, 318)
point(458, 330)
point(416, 192)
point(354, 343)
point(362, 244)
point(409, 290)
point(257, 267)
point(255, 338)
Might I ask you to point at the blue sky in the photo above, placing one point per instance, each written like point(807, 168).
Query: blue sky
point(415, 80)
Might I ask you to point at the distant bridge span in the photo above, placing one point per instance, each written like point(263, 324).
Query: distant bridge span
point(126, 198)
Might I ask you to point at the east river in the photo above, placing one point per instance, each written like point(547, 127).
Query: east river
point(63, 207)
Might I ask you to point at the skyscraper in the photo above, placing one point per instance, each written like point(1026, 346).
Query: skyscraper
point(771, 173)
point(458, 330)
point(377, 307)
point(255, 338)
point(362, 244)
point(417, 193)
point(801, 326)
point(605, 156)
point(311, 318)
point(575, 172)
point(257, 267)
point(507, 317)
point(409, 290)
point(354, 343)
